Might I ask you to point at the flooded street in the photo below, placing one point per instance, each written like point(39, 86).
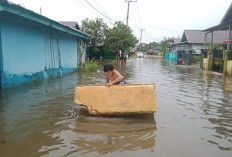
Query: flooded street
point(193, 118)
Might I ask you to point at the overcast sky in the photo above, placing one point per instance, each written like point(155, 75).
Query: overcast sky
point(157, 18)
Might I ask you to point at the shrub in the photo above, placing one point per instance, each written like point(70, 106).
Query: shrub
point(90, 66)
point(196, 59)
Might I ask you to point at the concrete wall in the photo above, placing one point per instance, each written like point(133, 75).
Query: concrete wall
point(177, 47)
point(229, 67)
point(23, 49)
point(205, 63)
point(187, 47)
point(197, 48)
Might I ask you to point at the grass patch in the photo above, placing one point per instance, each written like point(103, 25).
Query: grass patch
point(92, 65)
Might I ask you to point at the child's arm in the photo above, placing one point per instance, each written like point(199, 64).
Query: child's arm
point(107, 80)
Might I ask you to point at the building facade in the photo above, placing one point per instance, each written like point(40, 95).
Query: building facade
point(33, 47)
point(194, 41)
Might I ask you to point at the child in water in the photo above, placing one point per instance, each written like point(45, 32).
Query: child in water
point(112, 76)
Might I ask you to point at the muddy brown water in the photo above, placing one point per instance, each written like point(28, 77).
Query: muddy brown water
point(193, 118)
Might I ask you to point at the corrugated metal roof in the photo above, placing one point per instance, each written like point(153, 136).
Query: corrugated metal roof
point(197, 36)
point(223, 26)
point(228, 16)
point(71, 24)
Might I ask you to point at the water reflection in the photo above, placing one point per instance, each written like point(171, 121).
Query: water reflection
point(208, 96)
point(109, 134)
point(218, 108)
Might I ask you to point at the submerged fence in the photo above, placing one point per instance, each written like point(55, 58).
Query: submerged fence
point(172, 57)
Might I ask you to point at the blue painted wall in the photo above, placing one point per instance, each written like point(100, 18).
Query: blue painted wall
point(69, 51)
point(24, 48)
point(1, 63)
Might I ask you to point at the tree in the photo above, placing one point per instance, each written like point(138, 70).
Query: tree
point(96, 28)
point(147, 47)
point(141, 47)
point(119, 37)
point(164, 45)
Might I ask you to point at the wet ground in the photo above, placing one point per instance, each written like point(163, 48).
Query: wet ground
point(193, 118)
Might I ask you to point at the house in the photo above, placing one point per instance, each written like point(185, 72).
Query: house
point(225, 25)
point(194, 41)
point(34, 47)
point(157, 49)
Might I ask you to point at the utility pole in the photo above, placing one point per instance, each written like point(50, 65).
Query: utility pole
point(40, 11)
point(141, 33)
point(128, 8)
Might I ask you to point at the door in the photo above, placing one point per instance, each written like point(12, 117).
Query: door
point(52, 53)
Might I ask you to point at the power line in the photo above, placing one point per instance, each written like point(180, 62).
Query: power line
point(98, 11)
point(101, 8)
point(91, 10)
point(135, 20)
point(138, 12)
point(84, 6)
point(152, 36)
point(164, 29)
point(107, 17)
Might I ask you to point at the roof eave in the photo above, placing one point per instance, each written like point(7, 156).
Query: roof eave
point(17, 10)
point(178, 43)
point(226, 14)
point(222, 26)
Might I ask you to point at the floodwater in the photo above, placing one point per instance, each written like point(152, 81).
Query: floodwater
point(193, 118)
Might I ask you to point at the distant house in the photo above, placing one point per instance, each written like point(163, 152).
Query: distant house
point(157, 50)
point(154, 51)
point(193, 40)
point(35, 47)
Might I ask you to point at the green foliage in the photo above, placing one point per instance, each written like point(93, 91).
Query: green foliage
point(96, 28)
point(164, 45)
point(141, 48)
point(108, 54)
point(217, 51)
point(216, 47)
point(90, 66)
point(196, 59)
point(119, 37)
point(152, 45)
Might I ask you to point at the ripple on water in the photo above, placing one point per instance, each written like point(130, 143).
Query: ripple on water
point(192, 104)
